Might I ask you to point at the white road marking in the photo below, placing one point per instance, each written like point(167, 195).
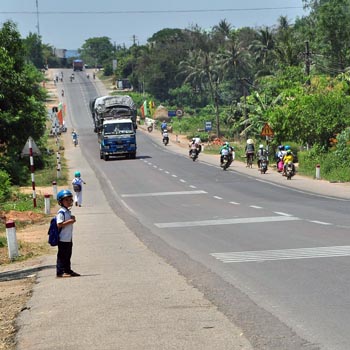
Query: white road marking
point(167, 172)
point(174, 175)
point(282, 254)
point(181, 180)
point(234, 203)
point(217, 197)
point(255, 207)
point(320, 222)
point(193, 186)
point(251, 220)
point(281, 213)
point(161, 194)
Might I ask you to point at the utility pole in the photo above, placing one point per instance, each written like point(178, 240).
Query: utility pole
point(307, 61)
point(37, 18)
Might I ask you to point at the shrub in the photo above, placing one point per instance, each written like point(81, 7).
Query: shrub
point(5, 185)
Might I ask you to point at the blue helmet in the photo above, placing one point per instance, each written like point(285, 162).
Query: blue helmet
point(286, 147)
point(63, 194)
point(77, 174)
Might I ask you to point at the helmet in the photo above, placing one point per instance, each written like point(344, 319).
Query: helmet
point(250, 142)
point(286, 147)
point(261, 146)
point(63, 194)
point(165, 130)
point(227, 144)
point(77, 174)
point(281, 147)
point(193, 139)
point(289, 151)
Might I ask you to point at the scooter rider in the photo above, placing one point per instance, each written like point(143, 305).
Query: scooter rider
point(288, 157)
point(227, 150)
point(165, 135)
point(193, 147)
point(198, 143)
point(261, 154)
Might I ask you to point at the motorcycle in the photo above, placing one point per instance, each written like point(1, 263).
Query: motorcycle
point(289, 173)
point(225, 162)
point(193, 154)
point(165, 140)
point(263, 165)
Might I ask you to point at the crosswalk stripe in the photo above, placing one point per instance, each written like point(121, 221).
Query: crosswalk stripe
point(282, 254)
point(251, 220)
point(153, 194)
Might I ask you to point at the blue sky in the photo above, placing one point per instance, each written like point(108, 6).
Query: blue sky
point(63, 23)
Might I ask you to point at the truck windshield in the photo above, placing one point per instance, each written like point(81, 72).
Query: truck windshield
point(118, 128)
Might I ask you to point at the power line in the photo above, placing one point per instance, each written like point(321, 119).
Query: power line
point(109, 12)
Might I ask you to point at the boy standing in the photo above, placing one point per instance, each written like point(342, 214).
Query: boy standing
point(78, 188)
point(65, 223)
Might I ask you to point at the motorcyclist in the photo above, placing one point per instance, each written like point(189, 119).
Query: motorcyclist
point(193, 147)
point(163, 126)
point(288, 157)
point(261, 154)
point(227, 150)
point(75, 137)
point(249, 150)
point(62, 93)
point(165, 135)
point(198, 142)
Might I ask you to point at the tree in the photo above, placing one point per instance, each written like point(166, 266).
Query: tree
point(22, 109)
point(97, 51)
point(202, 71)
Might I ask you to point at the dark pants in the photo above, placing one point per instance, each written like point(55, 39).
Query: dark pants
point(64, 254)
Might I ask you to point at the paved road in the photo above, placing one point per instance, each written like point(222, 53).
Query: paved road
point(130, 298)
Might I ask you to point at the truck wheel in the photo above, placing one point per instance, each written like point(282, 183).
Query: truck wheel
point(101, 155)
point(105, 157)
point(132, 155)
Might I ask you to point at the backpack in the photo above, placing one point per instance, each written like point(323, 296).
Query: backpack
point(54, 231)
point(76, 187)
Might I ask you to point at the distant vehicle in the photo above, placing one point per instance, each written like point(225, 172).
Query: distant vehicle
point(78, 65)
point(124, 85)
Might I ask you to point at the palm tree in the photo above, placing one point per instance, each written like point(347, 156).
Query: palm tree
point(263, 49)
point(201, 69)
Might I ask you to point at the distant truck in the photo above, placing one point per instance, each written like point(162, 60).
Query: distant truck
point(115, 123)
point(78, 65)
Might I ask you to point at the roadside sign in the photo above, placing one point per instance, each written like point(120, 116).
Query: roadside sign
point(208, 126)
point(35, 148)
point(171, 113)
point(179, 112)
point(266, 130)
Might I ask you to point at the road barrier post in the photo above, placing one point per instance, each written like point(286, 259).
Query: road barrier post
point(318, 172)
point(54, 189)
point(47, 203)
point(11, 239)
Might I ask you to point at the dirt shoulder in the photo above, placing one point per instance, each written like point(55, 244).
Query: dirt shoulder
point(17, 278)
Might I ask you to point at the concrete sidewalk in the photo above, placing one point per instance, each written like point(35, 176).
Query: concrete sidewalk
point(134, 300)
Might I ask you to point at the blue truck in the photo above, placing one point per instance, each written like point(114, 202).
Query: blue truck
point(115, 123)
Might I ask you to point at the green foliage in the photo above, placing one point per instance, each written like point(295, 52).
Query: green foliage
point(22, 202)
point(5, 185)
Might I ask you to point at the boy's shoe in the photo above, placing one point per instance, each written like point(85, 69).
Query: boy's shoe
point(76, 204)
point(63, 275)
point(74, 274)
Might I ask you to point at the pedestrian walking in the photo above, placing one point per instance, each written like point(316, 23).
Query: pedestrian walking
point(78, 188)
point(65, 221)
